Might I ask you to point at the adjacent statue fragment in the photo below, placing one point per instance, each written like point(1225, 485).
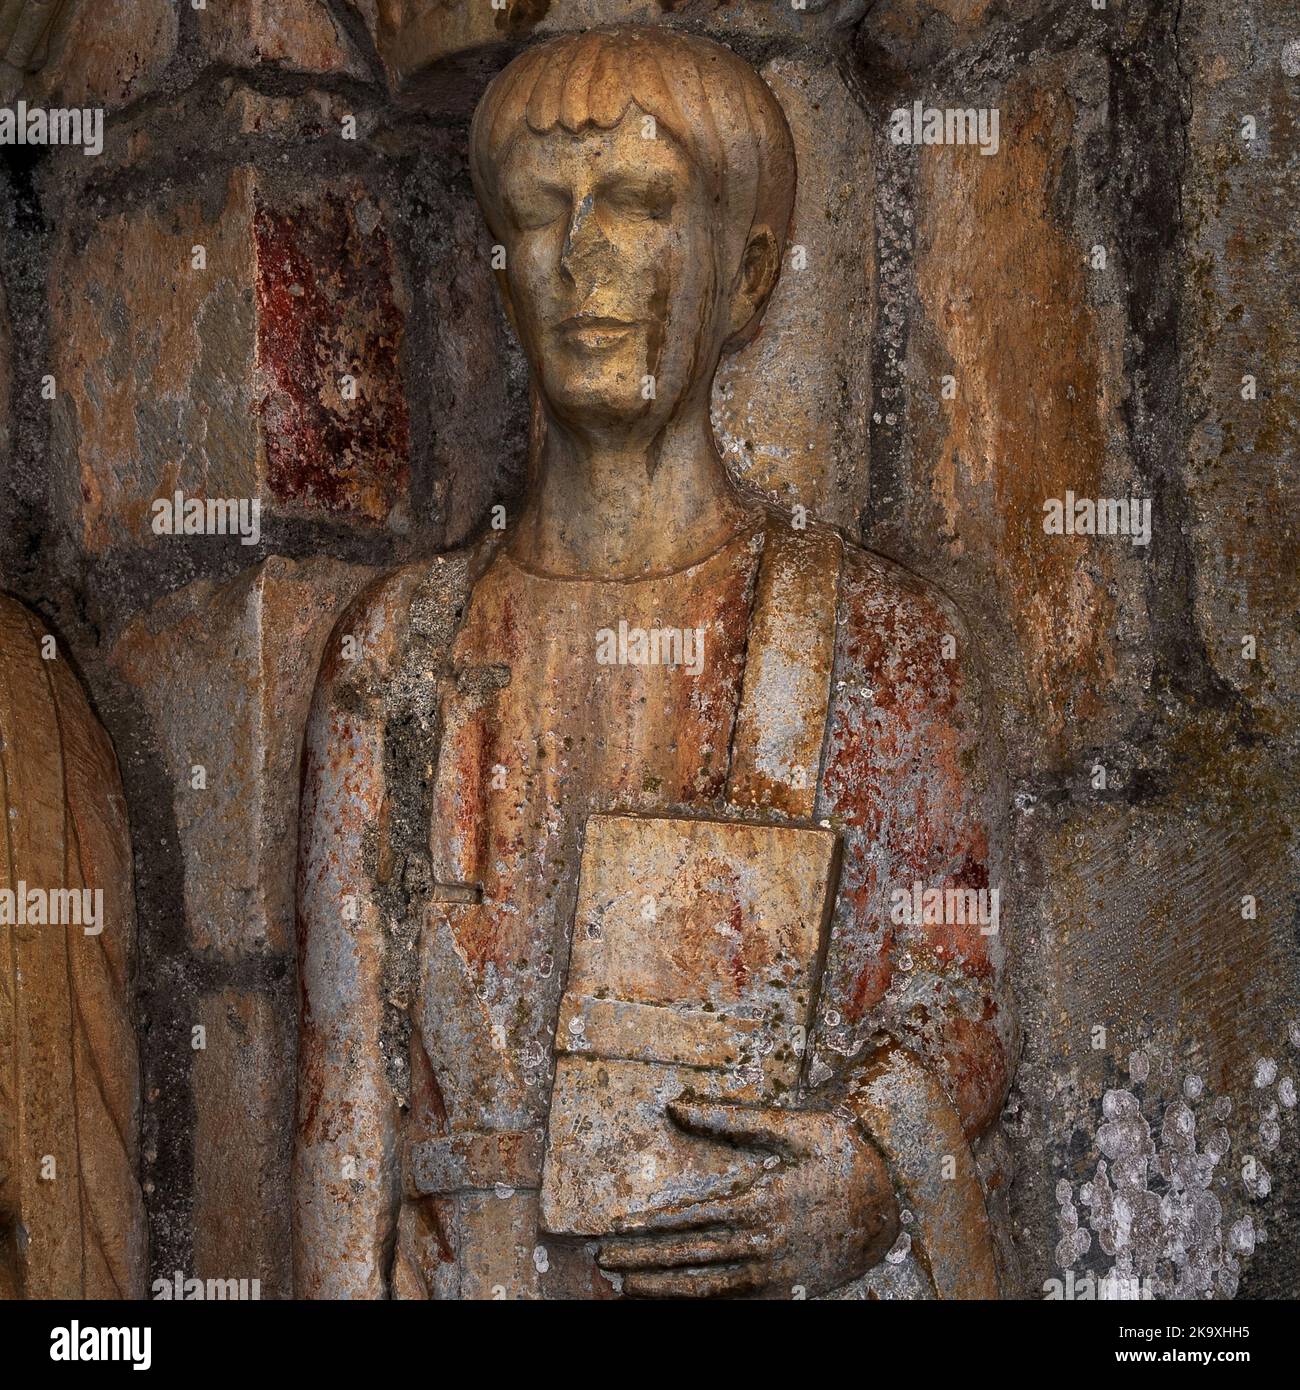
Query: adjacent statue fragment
point(607, 821)
point(71, 1213)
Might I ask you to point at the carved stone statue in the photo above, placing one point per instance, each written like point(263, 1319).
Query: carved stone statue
point(622, 829)
point(71, 1213)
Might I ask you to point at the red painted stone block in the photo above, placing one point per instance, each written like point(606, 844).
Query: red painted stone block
point(329, 333)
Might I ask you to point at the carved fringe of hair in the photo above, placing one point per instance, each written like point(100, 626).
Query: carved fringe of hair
point(591, 79)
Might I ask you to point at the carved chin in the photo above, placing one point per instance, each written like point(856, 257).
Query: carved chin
point(609, 388)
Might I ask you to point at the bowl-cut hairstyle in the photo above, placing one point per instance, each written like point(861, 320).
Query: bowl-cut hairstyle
point(717, 108)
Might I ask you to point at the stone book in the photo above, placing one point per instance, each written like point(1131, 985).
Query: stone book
point(697, 950)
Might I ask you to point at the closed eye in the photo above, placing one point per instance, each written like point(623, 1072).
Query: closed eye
point(652, 201)
point(532, 208)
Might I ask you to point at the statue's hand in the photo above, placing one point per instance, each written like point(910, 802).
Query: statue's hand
point(822, 1214)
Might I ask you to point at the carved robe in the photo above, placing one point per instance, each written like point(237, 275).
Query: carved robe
point(449, 773)
point(71, 1212)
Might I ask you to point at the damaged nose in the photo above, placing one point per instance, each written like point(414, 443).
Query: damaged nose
point(583, 237)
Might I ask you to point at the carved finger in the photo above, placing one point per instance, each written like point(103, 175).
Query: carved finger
point(695, 1250)
point(736, 1213)
point(719, 1282)
point(759, 1127)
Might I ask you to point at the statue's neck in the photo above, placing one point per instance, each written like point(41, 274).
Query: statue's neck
point(624, 507)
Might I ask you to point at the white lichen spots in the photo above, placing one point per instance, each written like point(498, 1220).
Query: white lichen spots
point(1241, 1236)
point(1286, 1092)
point(1179, 1129)
point(1293, 1033)
point(1073, 1246)
point(1120, 1105)
point(1156, 1201)
point(1125, 1134)
point(1265, 1072)
point(900, 1250)
point(541, 1260)
point(503, 1192)
point(1255, 1178)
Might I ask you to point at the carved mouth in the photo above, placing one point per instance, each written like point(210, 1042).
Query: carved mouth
point(592, 330)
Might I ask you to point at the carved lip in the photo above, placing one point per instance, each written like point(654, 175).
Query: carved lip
point(595, 330)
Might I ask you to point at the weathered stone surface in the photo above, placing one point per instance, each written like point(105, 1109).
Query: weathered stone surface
point(273, 371)
point(243, 1102)
point(300, 35)
point(790, 409)
point(1007, 314)
point(415, 36)
point(6, 375)
point(1239, 288)
point(155, 359)
point(689, 1009)
point(105, 53)
point(1164, 929)
point(225, 673)
point(304, 116)
point(330, 319)
point(472, 374)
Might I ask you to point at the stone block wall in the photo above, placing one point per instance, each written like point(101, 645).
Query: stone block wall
point(273, 283)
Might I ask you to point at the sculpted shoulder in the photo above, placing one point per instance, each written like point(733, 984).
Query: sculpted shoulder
point(418, 606)
point(893, 627)
point(905, 638)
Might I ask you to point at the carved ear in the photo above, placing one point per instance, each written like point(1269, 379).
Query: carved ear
point(755, 280)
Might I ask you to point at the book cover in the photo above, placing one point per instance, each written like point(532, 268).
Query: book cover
point(697, 950)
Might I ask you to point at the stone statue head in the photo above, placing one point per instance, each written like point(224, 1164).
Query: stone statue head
point(641, 182)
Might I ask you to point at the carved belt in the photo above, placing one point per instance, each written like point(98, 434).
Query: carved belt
point(475, 1161)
